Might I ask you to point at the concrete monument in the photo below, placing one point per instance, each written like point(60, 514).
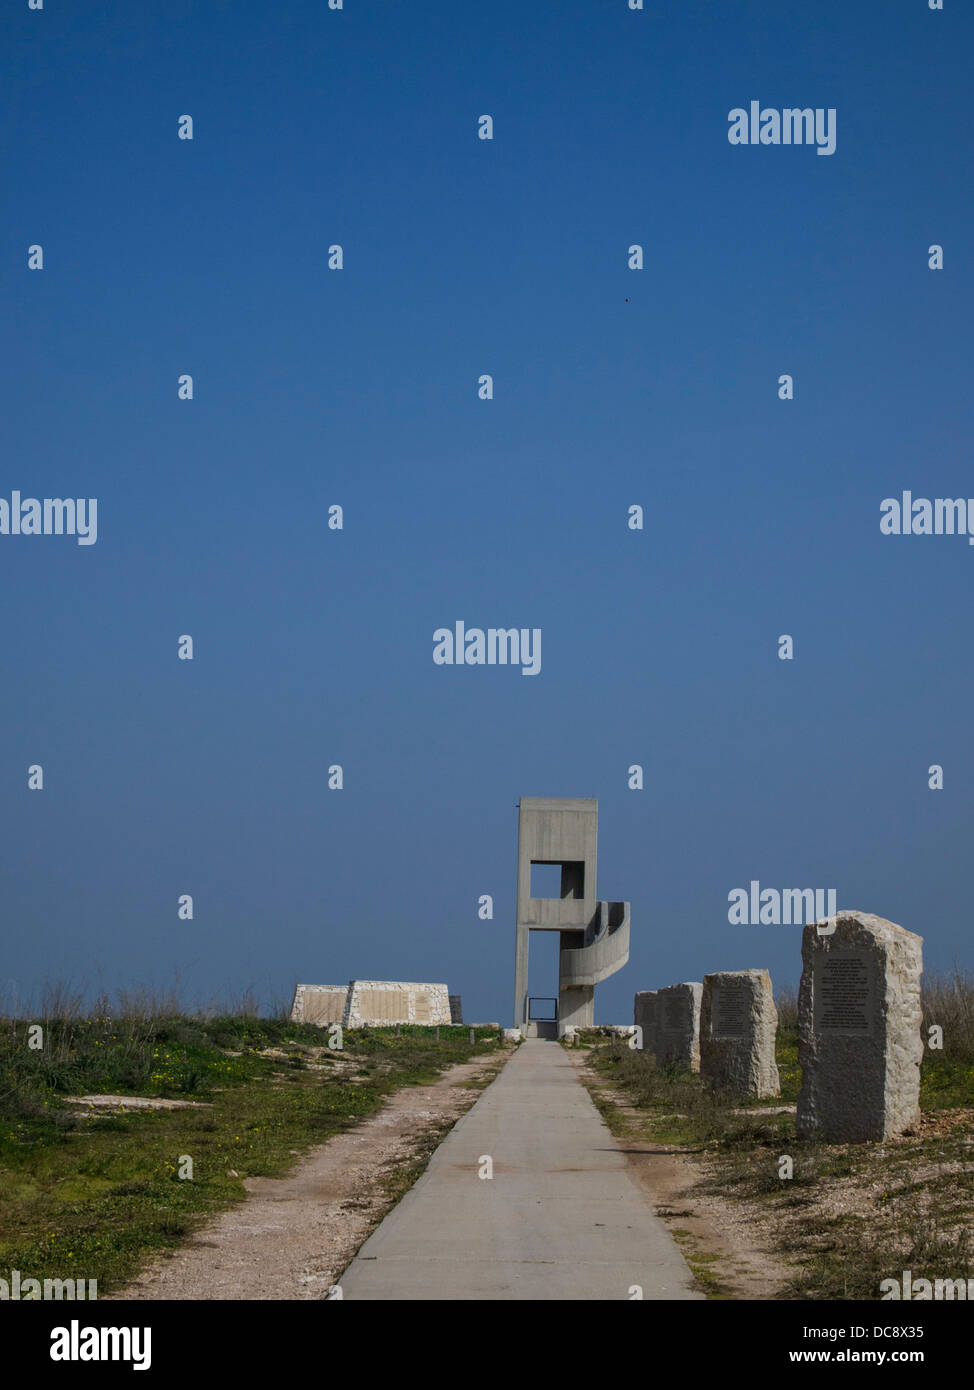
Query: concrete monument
point(594, 935)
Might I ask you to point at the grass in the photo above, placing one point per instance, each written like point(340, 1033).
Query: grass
point(701, 1266)
point(948, 1001)
point(904, 1225)
point(680, 1109)
point(94, 1197)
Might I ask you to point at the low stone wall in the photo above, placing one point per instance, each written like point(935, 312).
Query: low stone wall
point(372, 1002)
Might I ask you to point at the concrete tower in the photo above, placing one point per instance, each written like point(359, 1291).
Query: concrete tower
point(594, 935)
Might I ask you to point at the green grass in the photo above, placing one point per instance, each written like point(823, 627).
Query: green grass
point(93, 1197)
point(946, 1082)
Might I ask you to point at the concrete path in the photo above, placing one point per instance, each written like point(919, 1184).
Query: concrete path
point(560, 1219)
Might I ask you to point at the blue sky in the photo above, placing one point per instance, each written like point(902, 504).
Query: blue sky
point(359, 387)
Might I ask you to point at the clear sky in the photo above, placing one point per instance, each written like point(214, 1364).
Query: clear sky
point(359, 387)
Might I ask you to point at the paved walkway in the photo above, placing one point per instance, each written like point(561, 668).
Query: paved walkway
point(560, 1219)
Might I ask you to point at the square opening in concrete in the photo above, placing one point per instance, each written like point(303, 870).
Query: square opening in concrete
point(543, 1010)
point(557, 878)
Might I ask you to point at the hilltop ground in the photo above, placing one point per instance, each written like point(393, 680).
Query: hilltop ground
point(267, 1114)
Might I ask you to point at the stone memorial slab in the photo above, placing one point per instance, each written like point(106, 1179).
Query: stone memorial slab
point(859, 1020)
point(678, 1025)
point(644, 1017)
point(738, 1026)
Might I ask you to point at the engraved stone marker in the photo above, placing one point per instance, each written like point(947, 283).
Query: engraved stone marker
point(859, 1039)
point(678, 1025)
point(738, 1024)
point(644, 1017)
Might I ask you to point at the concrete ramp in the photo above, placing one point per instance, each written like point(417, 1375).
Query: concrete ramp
point(560, 1218)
